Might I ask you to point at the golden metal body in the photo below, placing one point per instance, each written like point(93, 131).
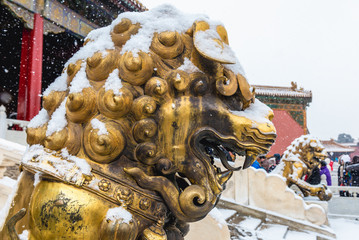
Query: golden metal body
point(151, 163)
point(299, 160)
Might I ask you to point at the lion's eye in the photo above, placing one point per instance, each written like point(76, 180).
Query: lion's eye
point(233, 102)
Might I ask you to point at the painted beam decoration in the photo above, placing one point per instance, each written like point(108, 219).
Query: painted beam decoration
point(67, 18)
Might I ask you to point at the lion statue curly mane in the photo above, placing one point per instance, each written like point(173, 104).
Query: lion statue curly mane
point(302, 156)
point(119, 150)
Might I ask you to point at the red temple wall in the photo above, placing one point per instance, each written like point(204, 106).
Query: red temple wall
point(287, 130)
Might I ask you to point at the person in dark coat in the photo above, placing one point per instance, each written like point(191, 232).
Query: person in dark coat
point(354, 171)
point(325, 171)
point(277, 158)
point(314, 177)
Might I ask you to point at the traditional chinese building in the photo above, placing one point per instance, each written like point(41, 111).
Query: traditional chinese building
point(38, 36)
point(289, 105)
point(335, 150)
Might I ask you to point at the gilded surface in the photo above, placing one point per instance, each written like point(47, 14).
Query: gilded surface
point(151, 162)
point(299, 160)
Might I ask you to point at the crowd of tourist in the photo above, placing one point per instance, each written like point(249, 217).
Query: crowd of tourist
point(348, 173)
point(268, 164)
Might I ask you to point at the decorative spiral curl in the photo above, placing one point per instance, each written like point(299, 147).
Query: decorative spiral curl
point(72, 70)
point(227, 84)
point(136, 69)
point(114, 106)
point(69, 137)
point(244, 87)
point(143, 107)
point(167, 44)
point(165, 166)
point(156, 87)
point(179, 79)
point(81, 106)
point(57, 140)
point(36, 135)
point(74, 138)
point(52, 101)
point(199, 83)
point(146, 153)
point(123, 31)
point(99, 67)
point(193, 201)
point(144, 130)
point(104, 148)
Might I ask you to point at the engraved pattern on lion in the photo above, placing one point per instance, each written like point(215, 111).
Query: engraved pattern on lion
point(299, 160)
point(124, 131)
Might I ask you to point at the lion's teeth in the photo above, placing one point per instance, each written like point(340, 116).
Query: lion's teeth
point(224, 176)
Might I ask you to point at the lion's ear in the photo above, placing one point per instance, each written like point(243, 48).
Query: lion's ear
point(212, 42)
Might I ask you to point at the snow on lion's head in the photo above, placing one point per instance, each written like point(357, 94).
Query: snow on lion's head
point(143, 100)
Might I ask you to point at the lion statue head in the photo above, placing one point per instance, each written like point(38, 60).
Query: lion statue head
point(140, 103)
point(299, 165)
point(307, 149)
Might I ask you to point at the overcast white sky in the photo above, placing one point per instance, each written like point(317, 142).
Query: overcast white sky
point(312, 42)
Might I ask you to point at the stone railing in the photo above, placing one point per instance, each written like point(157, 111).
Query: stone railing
point(353, 191)
point(12, 129)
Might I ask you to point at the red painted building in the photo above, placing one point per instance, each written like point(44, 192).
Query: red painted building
point(289, 105)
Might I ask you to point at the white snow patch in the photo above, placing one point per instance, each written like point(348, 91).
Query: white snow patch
point(24, 235)
point(67, 167)
point(58, 119)
point(159, 19)
point(80, 162)
point(344, 228)
point(60, 84)
point(295, 235)
point(188, 66)
point(204, 42)
point(80, 80)
point(37, 178)
point(226, 213)
point(97, 124)
point(113, 83)
point(114, 214)
point(257, 112)
point(39, 120)
point(272, 232)
point(100, 40)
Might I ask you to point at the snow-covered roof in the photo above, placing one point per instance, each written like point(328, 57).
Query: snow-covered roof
point(277, 91)
point(332, 146)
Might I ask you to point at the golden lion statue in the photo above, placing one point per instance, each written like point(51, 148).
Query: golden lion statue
point(301, 157)
point(119, 149)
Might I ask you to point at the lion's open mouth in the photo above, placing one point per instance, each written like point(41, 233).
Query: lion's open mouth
point(208, 144)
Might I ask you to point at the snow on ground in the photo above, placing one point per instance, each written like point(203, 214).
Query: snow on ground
point(345, 228)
